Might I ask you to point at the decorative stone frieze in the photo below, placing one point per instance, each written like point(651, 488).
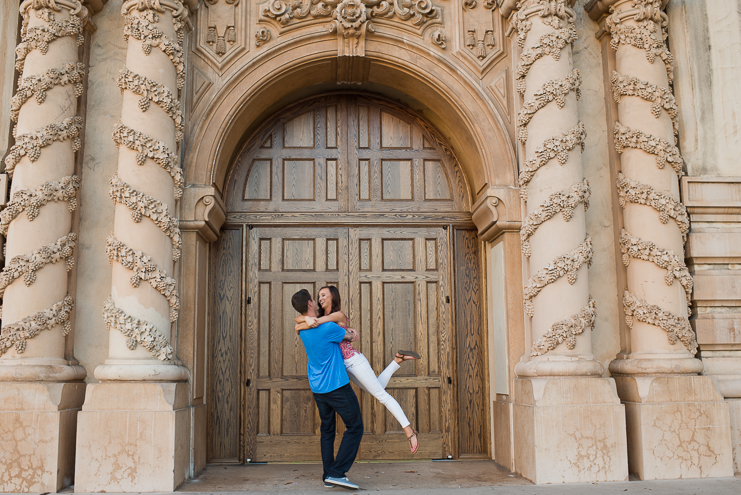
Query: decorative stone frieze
point(144, 269)
point(564, 202)
point(565, 331)
point(635, 247)
point(16, 334)
point(37, 85)
point(417, 13)
point(31, 200)
point(30, 144)
point(664, 151)
point(139, 332)
point(40, 37)
point(676, 327)
point(646, 35)
point(550, 44)
point(558, 148)
point(142, 205)
point(553, 90)
point(147, 147)
point(566, 265)
point(661, 98)
point(152, 91)
point(143, 27)
point(630, 191)
point(26, 265)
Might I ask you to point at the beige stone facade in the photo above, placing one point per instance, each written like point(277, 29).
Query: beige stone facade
point(588, 151)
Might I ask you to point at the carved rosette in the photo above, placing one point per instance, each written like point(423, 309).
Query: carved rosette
point(647, 129)
point(48, 176)
point(551, 179)
point(152, 30)
point(351, 19)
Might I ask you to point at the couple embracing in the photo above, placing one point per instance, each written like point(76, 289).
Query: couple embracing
point(333, 362)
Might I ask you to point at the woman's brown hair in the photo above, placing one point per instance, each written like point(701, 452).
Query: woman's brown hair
point(336, 301)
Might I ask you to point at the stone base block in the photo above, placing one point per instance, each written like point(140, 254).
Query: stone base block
point(133, 437)
point(734, 407)
point(37, 435)
point(569, 430)
point(678, 427)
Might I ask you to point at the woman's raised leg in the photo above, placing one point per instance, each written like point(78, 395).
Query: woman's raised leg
point(360, 372)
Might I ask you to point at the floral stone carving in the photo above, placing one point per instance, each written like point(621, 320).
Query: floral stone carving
point(625, 137)
point(567, 264)
point(143, 205)
point(138, 332)
point(557, 147)
point(30, 144)
point(418, 12)
point(38, 85)
point(147, 147)
point(553, 90)
point(635, 247)
point(644, 194)
point(30, 200)
point(566, 330)
point(39, 37)
point(643, 36)
point(26, 265)
point(661, 98)
point(144, 269)
point(564, 202)
point(549, 44)
point(677, 327)
point(16, 334)
point(152, 91)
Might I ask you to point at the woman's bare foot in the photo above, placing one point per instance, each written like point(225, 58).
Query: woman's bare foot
point(412, 437)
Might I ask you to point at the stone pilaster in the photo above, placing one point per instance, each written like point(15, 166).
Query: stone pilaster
point(143, 248)
point(558, 377)
point(657, 374)
point(40, 382)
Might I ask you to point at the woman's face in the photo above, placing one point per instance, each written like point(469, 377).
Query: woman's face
point(325, 301)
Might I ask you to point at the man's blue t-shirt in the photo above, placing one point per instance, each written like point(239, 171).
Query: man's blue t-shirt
point(326, 368)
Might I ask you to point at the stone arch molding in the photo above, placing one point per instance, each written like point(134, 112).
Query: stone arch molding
point(441, 93)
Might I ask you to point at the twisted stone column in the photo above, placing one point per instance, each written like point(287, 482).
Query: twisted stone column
point(140, 382)
point(562, 405)
point(655, 222)
point(146, 240)
point(41, 387)
point(553, 235)
point(38, 220)
point(656, 375)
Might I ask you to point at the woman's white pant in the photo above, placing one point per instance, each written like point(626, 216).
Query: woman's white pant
point(360, 372)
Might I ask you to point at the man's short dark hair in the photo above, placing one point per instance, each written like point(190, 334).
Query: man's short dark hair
point(300, 301)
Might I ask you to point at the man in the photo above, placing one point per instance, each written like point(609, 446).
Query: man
point(332, 393)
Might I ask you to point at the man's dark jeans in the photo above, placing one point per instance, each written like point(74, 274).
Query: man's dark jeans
point(344, 402)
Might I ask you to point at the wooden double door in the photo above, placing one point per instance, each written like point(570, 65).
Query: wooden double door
point(395, 285)
point(356, 192)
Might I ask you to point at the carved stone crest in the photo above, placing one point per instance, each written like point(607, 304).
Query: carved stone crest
point(481, 43)
point(222, 32)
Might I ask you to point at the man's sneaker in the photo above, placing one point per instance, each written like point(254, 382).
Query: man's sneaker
point(343, 482)
point(327, 485)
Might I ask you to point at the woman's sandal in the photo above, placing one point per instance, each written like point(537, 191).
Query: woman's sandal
point(412, 354)
point(411, 447)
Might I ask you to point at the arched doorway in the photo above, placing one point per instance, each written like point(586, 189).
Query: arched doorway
point(353, 191)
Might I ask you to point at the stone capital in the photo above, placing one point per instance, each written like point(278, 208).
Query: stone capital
point(598, 8)
point(497, 210)
point(203, 211)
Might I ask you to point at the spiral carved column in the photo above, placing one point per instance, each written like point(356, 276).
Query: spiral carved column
point(41, 387)
point(656, 375)
point(38, 220)
point(146, 240)
point(553, 235)
point(558, 372)
point(142, 249)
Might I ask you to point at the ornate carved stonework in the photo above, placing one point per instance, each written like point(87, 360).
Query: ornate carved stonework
point(554, 90)
point(30, 144)
point(139, 333)
point(565, 331)
point(676, 327)
point(16, 334)
point(481, 38)
point(26, 265)
point(664, 151)
point(644, 194)
point(222, 33)
point(352, 20)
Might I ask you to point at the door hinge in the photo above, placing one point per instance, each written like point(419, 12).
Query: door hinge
point(249, 300)
point(247, 383)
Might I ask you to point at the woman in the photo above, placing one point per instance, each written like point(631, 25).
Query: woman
point(358, 368)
